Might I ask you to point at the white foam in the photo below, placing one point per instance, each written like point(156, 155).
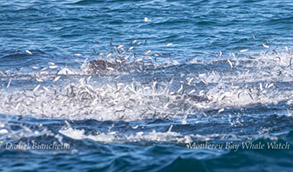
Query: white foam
point(111, 137)
point(251, 81)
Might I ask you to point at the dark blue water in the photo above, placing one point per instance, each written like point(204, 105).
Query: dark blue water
point(89, 85)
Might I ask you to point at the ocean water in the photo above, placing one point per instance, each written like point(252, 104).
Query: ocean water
point(159, 85)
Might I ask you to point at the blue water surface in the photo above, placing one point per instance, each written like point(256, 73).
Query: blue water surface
point(170, 76)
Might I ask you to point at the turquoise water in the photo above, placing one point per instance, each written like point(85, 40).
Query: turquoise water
point(178, 85)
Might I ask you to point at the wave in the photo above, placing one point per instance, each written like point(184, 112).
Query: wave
point(131, 156)
point(85, 2)
point(240, 160)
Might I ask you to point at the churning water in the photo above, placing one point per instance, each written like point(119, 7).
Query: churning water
point(161, 85)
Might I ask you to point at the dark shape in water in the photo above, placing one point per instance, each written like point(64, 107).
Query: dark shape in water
point(197, 98)
point(118, 65)
point(102, 66)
